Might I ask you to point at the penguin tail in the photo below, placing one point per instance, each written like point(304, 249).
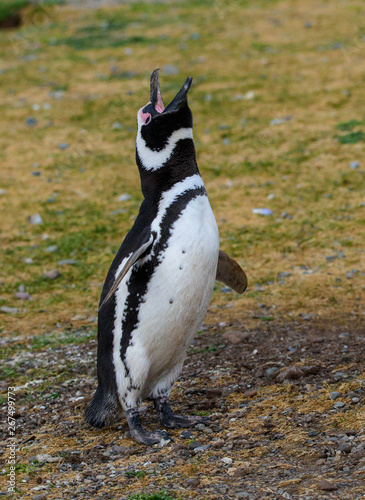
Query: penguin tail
point(103, 410)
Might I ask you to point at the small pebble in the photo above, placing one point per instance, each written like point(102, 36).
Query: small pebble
point(271, 371)
point(186, 435)
point(51, 249)
point(35, 219)
point(325, 485)
point(124, 197)
point(63, 146)
point(67, 262)
point(339, 405)
point(9, 310)
point(117, 126)
point(335, 395)
point(354, 165)
point(23, 296)
point(31, 122)
point(262, 211)
point(194, 444)
point(227, 460)
point(51, 275)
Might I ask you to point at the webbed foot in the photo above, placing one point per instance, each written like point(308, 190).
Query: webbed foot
point(139, 433)
point(169, 419)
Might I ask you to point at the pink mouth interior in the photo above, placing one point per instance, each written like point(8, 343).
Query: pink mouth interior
point(159, 106)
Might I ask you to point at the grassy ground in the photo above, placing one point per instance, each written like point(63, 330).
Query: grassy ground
point(278, 112)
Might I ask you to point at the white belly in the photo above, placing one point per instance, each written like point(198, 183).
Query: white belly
point(178, 296)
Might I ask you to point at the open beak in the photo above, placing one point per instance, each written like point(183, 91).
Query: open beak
point(178, 101)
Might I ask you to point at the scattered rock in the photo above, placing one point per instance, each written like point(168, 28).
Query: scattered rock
point(40, 496)
point(354, 165)
point(193, 483)
point(31, 122)
point(325, 485)
point(51, 275)
point(262, 211)
point(52, 249)
point(9, 310)
point(345, 447)
point(67, 262)
point(271, 371)
point(124, 197)
point(194, 444)
point(186, 435)
point(35, 219)
point(291, 373)
point(335, 395)
point(234, 337)
point(23, 296)
point(339, 405)
point(43, 458)
point(250, 393)
point(227, 460)
point(63, 146)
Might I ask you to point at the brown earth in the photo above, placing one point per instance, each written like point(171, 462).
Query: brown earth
point(274, 433)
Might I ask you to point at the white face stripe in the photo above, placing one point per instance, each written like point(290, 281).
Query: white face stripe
point(153, 160)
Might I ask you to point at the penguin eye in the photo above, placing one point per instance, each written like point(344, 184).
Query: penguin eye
point(148, 119)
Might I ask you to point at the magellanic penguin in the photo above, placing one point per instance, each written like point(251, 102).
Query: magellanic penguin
point(160, 283)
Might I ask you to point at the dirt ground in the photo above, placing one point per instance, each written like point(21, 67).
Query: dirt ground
point(287, 420)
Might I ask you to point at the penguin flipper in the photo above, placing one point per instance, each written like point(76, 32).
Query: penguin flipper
point(230, 273)
point(130, 262)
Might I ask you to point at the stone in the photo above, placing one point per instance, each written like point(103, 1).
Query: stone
point(339, 405)
point(291, 373)
point(35, 219)
point(194, 444)
point(52, 249)
point(63, 146)
point(23, 296)
point(67, 262)
point(271, 371)
point(193, 482)
point(31, 122)
point(325, 485)
point(186, 435)
point(124, 197)
point(262, 211)
point(227, 460)
point(334, 395)
point(44, 457)
point(9, 310)
point(250, 393)
point(51, 275)
point(354, 165)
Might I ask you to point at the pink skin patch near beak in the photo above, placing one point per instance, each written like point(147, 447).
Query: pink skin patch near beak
point(159, 106)
point(146, 117)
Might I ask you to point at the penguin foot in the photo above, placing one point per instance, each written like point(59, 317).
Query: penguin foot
point(139, 433)
point(169, 419)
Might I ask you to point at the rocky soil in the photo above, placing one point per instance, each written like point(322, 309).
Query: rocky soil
point(286, 420)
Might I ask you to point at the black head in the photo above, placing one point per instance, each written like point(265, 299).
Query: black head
point(157, 124)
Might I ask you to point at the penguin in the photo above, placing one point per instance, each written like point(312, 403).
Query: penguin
point(159, 286)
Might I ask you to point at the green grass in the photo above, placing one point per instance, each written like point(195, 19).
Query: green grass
point(153, 496)
point(10, 8)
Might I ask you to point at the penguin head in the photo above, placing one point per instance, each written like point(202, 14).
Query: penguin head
point(160, 127)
